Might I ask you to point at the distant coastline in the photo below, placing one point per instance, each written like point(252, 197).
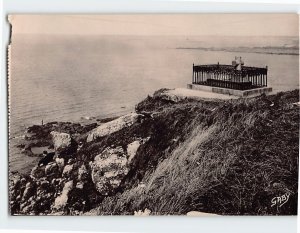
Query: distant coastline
point(262, 50)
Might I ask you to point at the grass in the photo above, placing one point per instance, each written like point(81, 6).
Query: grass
point(233, 161)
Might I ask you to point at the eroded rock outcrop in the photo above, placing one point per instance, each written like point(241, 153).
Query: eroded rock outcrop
point(113, 126)
point(112, 165)
point(108, 169)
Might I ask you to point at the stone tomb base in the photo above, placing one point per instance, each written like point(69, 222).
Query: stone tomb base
point(227, 91)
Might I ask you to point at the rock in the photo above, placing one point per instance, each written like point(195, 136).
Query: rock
point(51, 169)
point(67, 170)
point(108, 170)
point(113, 126)
point(70, 161)
point(133, 147)
point(112, 165)
point(79, 185)
point(23, 181)
point(37, 172)
point(18, 198)
point(60, 163)
point(61, 201)
point(56, 182)
point(28, 192)
point(167, 95)
point(82, 173)
point(60, 140)
point(45, 184)
point(63, 142)
point(15, 179)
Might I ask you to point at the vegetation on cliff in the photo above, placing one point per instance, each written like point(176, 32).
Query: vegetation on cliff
point(228, 157)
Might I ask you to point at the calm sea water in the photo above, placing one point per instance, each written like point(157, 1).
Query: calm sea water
point(64, 78)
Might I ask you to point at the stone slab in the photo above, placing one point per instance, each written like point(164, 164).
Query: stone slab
point(227, 91)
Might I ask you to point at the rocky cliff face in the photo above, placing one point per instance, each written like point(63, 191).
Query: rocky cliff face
point(171, 156)
point(53, 186)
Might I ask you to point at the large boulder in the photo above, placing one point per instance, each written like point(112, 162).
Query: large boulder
point(108, 170)
point(113, 126)
point(112, 165)
point(63, 143)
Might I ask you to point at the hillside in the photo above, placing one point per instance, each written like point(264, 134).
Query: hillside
point(172, 156)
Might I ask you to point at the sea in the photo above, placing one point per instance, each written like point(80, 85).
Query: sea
point(75, 77)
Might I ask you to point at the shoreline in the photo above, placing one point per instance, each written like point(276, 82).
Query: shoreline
point(18, 140)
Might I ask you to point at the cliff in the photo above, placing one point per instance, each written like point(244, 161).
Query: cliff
point(172, 156)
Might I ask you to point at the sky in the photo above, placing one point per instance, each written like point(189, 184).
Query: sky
point(159, 24)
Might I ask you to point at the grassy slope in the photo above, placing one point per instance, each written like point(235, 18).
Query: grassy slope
point(221, 157)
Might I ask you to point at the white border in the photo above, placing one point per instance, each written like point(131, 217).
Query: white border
point(129, 224)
